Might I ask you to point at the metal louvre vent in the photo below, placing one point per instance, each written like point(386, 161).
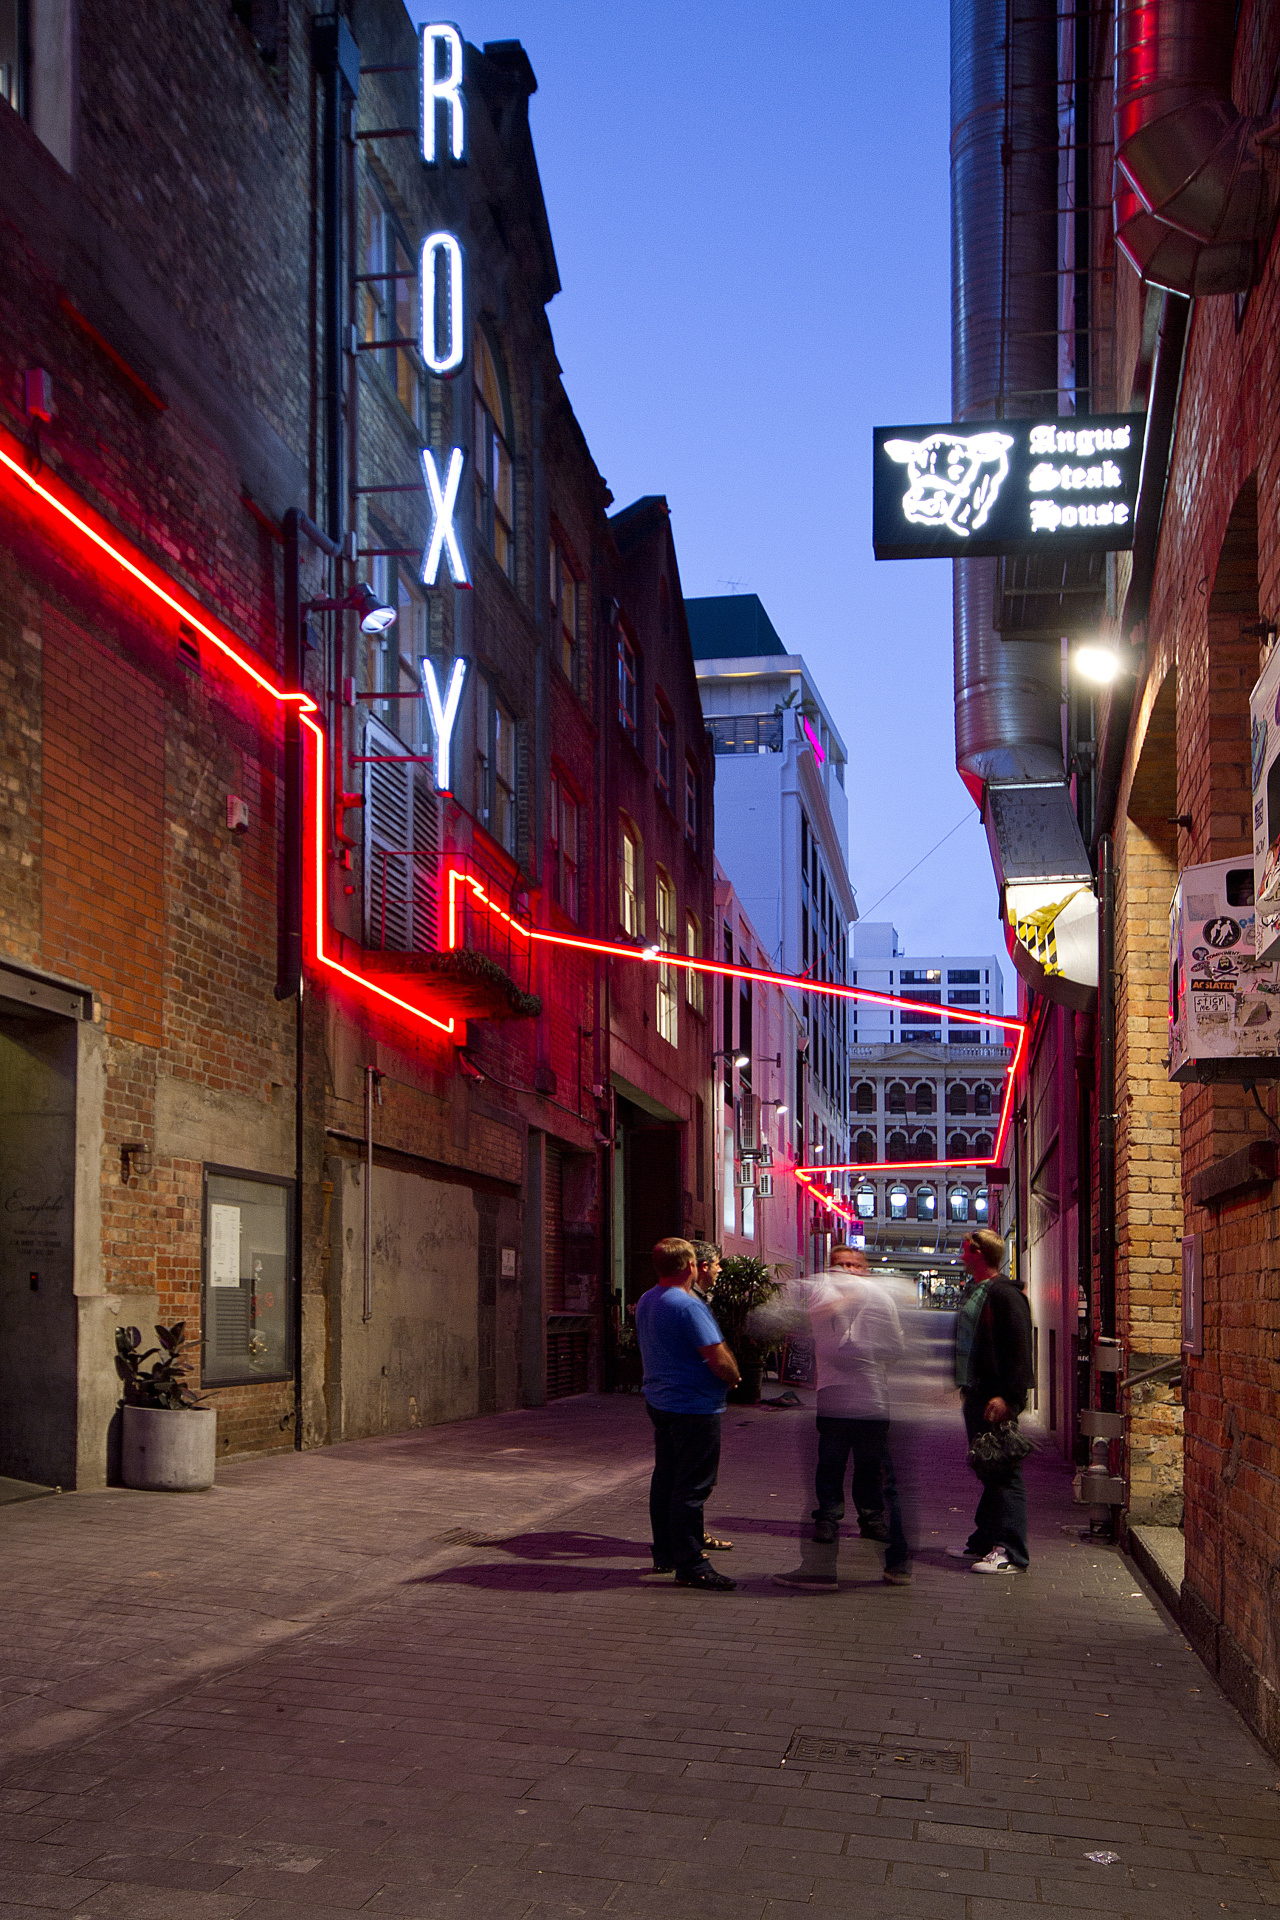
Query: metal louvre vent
point(401, 851)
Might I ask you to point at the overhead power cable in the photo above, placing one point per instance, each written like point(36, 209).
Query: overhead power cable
point(865, 911)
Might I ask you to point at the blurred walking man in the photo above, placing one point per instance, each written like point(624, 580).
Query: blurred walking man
point(993, 1373)
point(857, 1336)
point(687, 1367)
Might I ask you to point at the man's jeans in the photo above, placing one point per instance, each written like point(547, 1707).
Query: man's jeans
point(686, 1459)
point(1001, 1519)
point(875, 1490)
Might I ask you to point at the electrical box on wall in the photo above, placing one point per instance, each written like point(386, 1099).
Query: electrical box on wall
point(1224, 1003)
point(1264, 755)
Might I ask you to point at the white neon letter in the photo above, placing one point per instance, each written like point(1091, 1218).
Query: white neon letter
point(448, 87)
point(443, 539)
point(444, 714)
point(455, 333)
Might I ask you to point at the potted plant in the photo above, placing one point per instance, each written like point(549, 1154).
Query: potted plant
point(745, 1284)
point(170, 1441)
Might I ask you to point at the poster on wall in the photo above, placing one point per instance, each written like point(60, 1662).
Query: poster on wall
point(224, 1245)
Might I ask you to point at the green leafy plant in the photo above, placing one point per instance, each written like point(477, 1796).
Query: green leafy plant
point(745, 1283)
point(160, 1384)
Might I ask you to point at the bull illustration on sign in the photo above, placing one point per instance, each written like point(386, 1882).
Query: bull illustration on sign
point(954, 479)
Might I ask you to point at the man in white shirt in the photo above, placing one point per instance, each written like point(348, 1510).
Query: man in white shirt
point(857, 1337)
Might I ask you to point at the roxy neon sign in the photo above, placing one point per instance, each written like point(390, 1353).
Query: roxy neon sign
point(442, 323)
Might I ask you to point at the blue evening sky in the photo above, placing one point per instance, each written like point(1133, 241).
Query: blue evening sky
point(749, 204)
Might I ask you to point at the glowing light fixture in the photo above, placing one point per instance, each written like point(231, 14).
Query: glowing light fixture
point(1097, 661)
point(444, 715)
point(444, 500)
point(442, 357)
point(446, 87)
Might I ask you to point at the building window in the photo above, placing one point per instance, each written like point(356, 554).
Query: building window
point(401, 835)
point(495, 479)
point(924, 1097)
point(865, 1202)
point(924, 1147)
point(496, 766)
point(693, 982)
point(864, 1099)
point(668, 996)
point(663, 728)
point(746, 733)
point(958, 1203)
point(982, 1147)
point(13, 54)
point(628, 676)
point(865, 1149)
point(982, 1099)
point(564, 848)
point(980, 1206)
point(957, 1098)
point(898, 1201)
point(897, 1100)
point(248, 1282)
point(958, 1146)
point(391, 302)
point(897, 1146)
point(631, 881)
point(926, 1204)
point(565, 598)
point(693, 806)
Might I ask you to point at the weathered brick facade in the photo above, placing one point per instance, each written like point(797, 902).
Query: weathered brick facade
point(172, 281)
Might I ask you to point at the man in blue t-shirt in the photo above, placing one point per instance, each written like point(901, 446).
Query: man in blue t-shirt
point(687, 1367)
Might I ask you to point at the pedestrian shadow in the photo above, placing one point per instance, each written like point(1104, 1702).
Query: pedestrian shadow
point(740, 1523)
point(569, 1546)
point(547, 1577)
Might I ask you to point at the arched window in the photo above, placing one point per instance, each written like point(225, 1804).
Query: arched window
point(864, 1099)
point(926, 1204)
point(924, 1147)
point(980, 1207)
point(865, 1150)
point(958, 1146)
point(630, 879)
point(495, 480)
point(668, 991)
point(958, 1203)
point(897, 1098)
point(924, 1097)
point(898, 1200)
point(957, 1097)
point(982, 1098)
point(897, 1147)
point(982, 1146)
point(865, 1202)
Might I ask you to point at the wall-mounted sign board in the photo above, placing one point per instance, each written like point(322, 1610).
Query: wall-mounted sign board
point(981, 487)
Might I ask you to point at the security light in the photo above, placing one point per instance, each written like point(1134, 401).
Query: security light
point(1097, 661)
point(374, 616)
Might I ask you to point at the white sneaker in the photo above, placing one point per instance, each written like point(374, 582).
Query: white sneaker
point(997, 1561)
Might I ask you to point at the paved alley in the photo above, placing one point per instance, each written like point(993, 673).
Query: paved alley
point(430, 1676)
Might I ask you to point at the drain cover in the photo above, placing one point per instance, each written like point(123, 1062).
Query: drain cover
point(827, 1750)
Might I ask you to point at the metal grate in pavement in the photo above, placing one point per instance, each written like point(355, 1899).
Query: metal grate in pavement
point(883, 1761)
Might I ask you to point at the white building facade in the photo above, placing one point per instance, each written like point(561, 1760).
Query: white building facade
point(782, 837)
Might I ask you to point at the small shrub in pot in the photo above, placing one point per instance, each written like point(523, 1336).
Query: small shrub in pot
point(169, 1436)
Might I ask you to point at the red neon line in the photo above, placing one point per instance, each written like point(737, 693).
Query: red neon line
point(112, 545)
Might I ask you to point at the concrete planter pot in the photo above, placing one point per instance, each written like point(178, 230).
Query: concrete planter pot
point(169, 1450)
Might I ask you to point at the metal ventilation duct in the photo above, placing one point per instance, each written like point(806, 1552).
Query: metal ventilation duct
point(1196, 186)
point(1004, 363)
point(1004, 349)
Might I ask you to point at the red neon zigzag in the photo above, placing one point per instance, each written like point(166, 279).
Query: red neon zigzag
point(106, 541)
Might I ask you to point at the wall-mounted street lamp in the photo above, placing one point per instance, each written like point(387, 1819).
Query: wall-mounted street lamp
point(1100, 661)
point(374, 616)
point(727, 1053)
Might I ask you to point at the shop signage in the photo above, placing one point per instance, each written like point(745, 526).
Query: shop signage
point(443, 712)
point(985, 487)
point(442, 330)
point(440, 67)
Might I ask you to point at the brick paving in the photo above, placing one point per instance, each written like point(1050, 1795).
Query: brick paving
point(293, 1697)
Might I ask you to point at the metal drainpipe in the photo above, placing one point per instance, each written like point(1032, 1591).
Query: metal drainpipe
point(372, 1098)
point(1106, 1315)
point(333, 303)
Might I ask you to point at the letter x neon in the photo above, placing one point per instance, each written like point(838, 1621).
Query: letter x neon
point(443, 539)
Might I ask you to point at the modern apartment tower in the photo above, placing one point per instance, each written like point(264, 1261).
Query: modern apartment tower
point(782, 837)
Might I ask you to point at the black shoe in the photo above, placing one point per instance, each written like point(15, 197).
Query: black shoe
point(874, 1530)
point(708, 1579)
point(826, 1532)
point(663, 1566)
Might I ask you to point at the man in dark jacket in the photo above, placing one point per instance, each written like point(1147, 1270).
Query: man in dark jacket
point(994, 1374)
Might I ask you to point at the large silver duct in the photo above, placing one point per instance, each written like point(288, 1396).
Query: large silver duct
point(1004, 349)
point(1196, 186)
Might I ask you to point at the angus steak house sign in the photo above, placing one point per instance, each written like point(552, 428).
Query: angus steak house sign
point(982, 487)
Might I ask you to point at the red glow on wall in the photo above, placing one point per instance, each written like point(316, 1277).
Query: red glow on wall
point(814, 742)
point(81, 530)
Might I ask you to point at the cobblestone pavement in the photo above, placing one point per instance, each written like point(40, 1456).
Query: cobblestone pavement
point(303, 1695)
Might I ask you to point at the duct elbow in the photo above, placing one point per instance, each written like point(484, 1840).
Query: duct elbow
point(1197, 184)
